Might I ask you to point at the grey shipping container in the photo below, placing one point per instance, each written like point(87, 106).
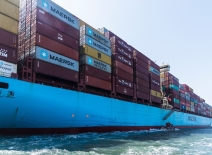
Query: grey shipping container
point(95, 44)
point(58, 12)
point(84, 59)
point(54, 58)
point(86, 30)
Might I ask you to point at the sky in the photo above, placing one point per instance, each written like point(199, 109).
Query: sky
point(178, 32)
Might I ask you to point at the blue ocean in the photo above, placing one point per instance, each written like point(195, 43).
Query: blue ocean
point(152, 142)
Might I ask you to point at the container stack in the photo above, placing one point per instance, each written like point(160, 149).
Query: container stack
point(122, 64)
point(154, 82)
point(49, 42)
point(192, 100)
point(9, 18)
point(95, 59)
point(182, 97)
point(188, 99)
point(141, 77)
point(171, 84)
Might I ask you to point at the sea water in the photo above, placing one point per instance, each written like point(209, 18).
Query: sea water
point(152, 142)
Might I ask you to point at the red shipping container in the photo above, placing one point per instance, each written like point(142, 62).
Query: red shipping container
point(49, 69)
point(122, 59)
point(120, 50)
point(121, 73)
point(8, 54)
point(142, 82)
point(124, 90)
point(141, 76)
point(55, 22)
point(154, 76)
point(97, 73)
point(155, 82)
point(52, 33)
point(54, 46)
point(141, 95)
point(176, 105)
point(8, 39)
point(98, 83)
point(122, 66)
point(122, 82)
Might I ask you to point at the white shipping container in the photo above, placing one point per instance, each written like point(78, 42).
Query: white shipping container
point(6, 68)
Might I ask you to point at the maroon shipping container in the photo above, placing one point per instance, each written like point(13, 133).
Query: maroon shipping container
point(154, 76)
point(142, 89)
point(54, 46)
point(8, 39)
point(155, 87)
point(109, 34)
point(154, 65)
point(141, 56)
point(97, 73)
point(8, 54)
point(155, 99)
point(187, 101)
point(121, 73)
point(122, 82)
point(177, 106)
point(141, 63)
point(141, 69)
point(155, 82)
point(50, 32)
point(98, 83)
point(122, 59)
point(142, 82)
point(120, 50)
point(122, 66)
point(141, 95)
point(141, 76)
point(45, 68)
point(124, 90)
point(55, 22)
point(117, 41)
point(171, 77)
point(182, 99)
point(168, 82)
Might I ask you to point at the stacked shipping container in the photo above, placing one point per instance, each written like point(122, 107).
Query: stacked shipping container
point(171, 84)
point(122, 67)
point(95, 58)
point(9, 16)
point(51, 40)
point(154, 72)
point(182, 97)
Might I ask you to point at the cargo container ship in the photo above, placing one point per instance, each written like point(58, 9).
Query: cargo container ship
point(58, 74)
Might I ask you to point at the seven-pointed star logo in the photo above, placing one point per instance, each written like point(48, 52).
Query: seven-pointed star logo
point(44, 54)
point(90, 41)
point(45, 4)
point(89, 61)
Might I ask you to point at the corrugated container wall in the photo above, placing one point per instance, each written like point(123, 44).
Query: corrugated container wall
point(8, 24)
point(9, 9)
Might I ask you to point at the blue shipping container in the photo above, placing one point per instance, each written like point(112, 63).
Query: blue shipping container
point(153, 70)
point(57, 59)
point(171, 86)
point(191, 99)
point(182, 95)
point(95, 44)
point(84, 59)
point(94, 34)
point(58, 12)
point(183, 107)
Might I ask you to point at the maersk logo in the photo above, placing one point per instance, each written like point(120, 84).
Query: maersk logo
point(90, 41)
point(44, 54)
point(90, 31)
point(90, 61)
point(1, 63)
point(45, 4)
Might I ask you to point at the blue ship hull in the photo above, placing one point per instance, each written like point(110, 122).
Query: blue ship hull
point(36, 108)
